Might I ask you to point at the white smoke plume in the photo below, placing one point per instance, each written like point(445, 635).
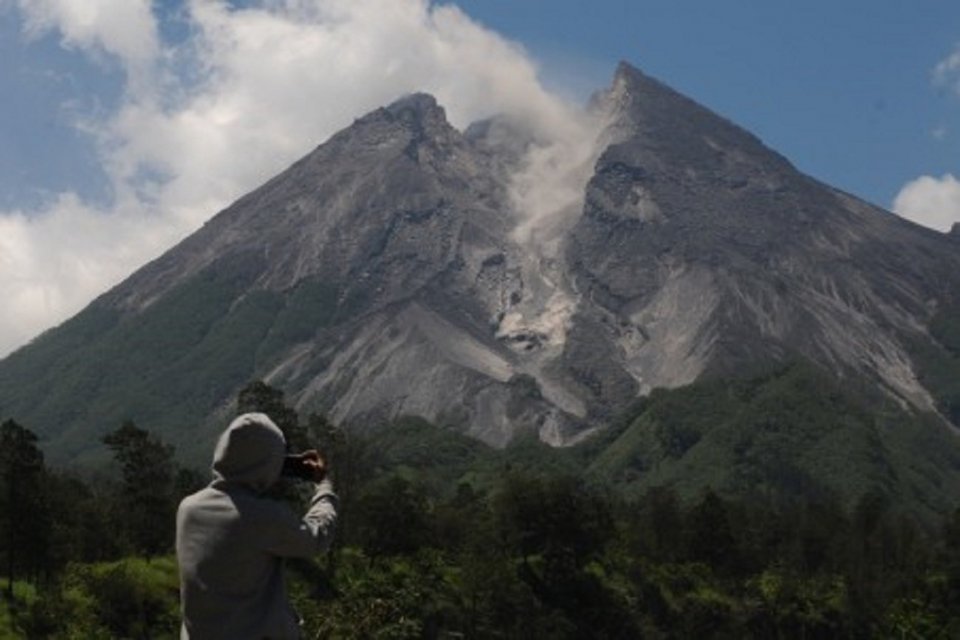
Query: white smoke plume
point(244, 94)
point(547, 194)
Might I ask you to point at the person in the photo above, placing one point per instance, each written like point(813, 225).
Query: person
point(231, 539)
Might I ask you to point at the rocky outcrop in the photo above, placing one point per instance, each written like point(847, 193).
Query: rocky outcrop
point(710, 253)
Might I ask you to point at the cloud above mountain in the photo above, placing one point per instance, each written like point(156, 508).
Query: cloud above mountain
point(211, 114)
point(124, 28)
point(947, 72)
point(932, 202)
point(928, 200)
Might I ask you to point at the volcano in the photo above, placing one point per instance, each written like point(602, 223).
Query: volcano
point(394, 271)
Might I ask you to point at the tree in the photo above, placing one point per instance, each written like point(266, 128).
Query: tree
point(82, 530)
point(556, 518)
point(260, 397)
point(950, 560)
point(654, 524)
point(710, 536)
point(26, 519)
point(146, 498)
point(392, 518)
point(351, 463)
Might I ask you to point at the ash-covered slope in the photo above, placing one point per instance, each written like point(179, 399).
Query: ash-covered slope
point(397, 270)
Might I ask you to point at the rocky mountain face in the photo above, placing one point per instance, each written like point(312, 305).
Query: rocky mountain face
point(393, 271)
point(715, 254)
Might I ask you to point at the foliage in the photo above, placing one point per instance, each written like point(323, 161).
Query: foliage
point(696, 515)
point(938, 361)
point(26, 519)
point(186, 351)
point(130, 598)
point(146, 498)
point(527, 568)
point(794, 433)
point(260, 397)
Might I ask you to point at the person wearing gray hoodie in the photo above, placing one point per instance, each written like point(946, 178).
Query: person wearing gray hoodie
point(231, 539)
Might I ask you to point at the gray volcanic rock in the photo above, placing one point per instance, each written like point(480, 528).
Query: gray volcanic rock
point(709, 253)
point(383, 202)
point(402, 216)
point(394, 270)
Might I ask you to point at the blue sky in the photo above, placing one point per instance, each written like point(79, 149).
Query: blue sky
point(124, 124)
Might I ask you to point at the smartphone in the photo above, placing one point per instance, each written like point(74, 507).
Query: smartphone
point(294, 466)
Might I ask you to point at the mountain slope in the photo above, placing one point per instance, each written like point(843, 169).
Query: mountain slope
point(718, 255)
point(394, 271)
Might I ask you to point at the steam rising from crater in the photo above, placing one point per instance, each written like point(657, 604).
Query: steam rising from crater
point(548, 191)
point(547, 194)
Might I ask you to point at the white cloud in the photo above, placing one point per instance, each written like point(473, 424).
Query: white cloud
point(125, 29)
point(205, 120)
point(947, 72)
point(53, 264)
point(927, 200)
point(932, 202)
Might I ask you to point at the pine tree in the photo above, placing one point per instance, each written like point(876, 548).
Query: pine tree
point(26, 521)
point(146, 499)
point(260, 397)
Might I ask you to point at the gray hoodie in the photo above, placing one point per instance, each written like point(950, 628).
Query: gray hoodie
point(231, 539)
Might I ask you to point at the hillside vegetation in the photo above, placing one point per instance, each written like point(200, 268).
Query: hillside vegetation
point(718, 510)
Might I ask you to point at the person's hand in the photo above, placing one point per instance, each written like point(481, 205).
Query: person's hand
point(314, 460)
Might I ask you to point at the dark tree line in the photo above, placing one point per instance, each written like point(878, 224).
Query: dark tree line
point(51, 517)
point(548, 557)
point(26, 522)
point(443, 539)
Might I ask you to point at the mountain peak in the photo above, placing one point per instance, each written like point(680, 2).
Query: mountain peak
point(653, 105)
point(626, 72)
point(633, 82)
point(419, 103)
point(418, 113)
point(419, 109)
point(653, 116)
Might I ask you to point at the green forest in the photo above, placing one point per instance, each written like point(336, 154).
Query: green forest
point(686, 518)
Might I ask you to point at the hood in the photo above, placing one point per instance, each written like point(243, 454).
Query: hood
point(250, 452)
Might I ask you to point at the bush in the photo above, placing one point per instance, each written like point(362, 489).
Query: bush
point(131, 598)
